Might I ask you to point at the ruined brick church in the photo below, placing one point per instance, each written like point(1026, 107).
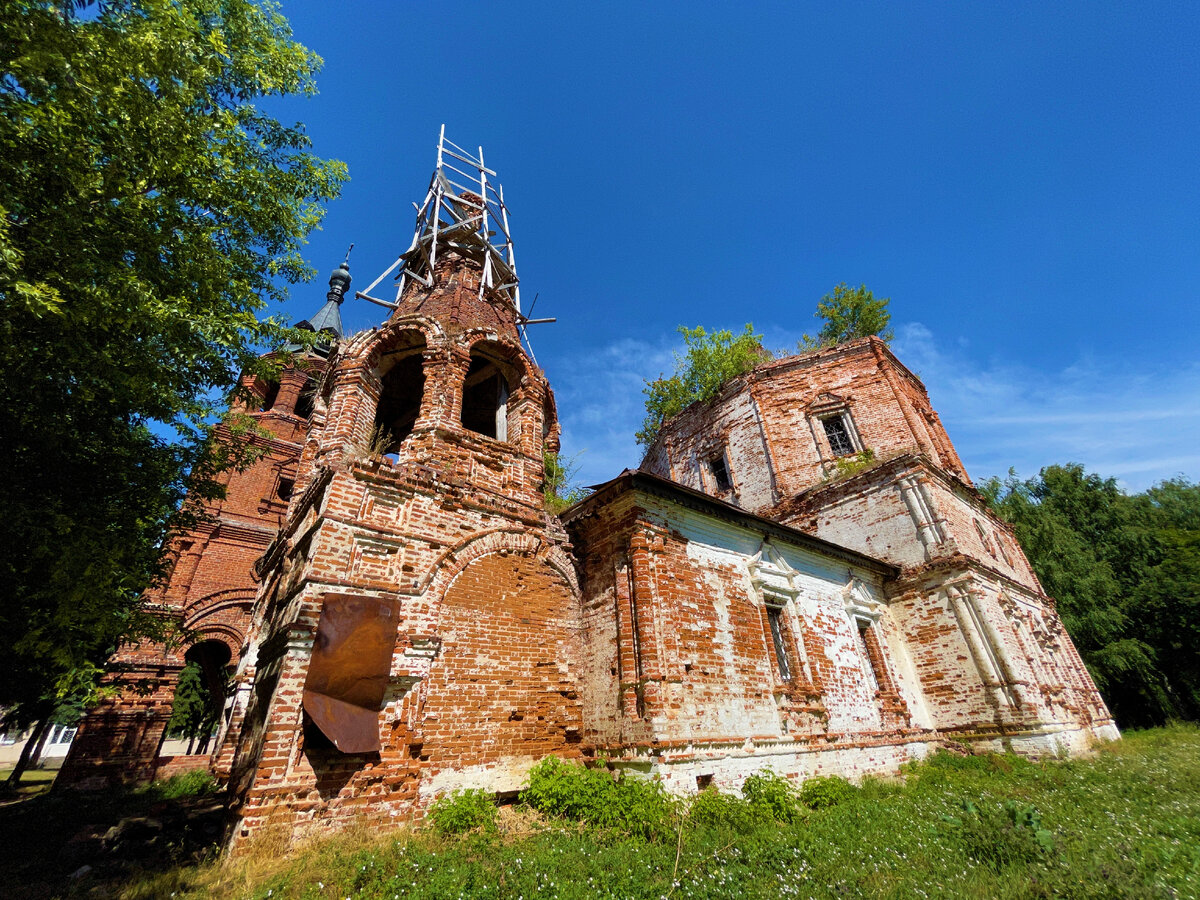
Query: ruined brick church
point(799, 576)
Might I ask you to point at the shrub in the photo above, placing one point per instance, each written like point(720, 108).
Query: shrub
point(1001, 837)
point(596, 797)
point(772, 795)
point(845, 466)
point(712, 808)
point(559, 490)
point(195, 783)
point(825, 791)
point(944, 767)
point(712, 360)
point(461, 811)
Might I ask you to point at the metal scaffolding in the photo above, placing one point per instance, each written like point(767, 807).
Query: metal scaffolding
point(464, 210)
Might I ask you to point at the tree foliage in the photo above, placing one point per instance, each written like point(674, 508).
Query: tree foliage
point(195, 709)
point(1125, 570)
point(849, 313)
point(149, 211)
point(559, 490)
point(711, 361)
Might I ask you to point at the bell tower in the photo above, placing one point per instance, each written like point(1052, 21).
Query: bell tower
point(210, 587)
point(419, 611)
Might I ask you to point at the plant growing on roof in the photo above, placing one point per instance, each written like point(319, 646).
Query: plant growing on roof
point(711, 361)
point(849, 313)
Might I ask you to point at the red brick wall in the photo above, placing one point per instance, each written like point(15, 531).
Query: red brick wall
point(209, 592)
point(769, 424)
point(451, 529)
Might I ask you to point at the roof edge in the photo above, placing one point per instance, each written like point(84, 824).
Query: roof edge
point(636, 480)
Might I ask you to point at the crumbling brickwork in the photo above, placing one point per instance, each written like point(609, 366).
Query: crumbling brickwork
point(770, 427)
point(842, 443)
point(422, 497)
point(800, 576)
point(688, 673)
point(208, 593)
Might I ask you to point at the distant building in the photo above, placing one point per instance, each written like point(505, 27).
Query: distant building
point(800, 576)
point(54, 749)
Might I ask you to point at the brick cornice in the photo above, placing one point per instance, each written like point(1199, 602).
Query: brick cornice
point(656, 486)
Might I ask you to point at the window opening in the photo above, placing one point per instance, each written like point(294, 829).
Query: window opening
point(869, 646)
point(485, 399)
point(864, 647)
point(400, 401)
point(983, 537)
point(271, 396)
point(840, 441)
point(285, 487)
point(775, 619)
point(308, 397)
point(720, 473)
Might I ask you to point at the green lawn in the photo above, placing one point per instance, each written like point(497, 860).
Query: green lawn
point(33, 781)
point(1124, 823)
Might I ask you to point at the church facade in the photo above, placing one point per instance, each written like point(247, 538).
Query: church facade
point(799, 576)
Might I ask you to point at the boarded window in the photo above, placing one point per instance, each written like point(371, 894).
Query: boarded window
point(778, 640)
point(485, 399)
point(349, 670)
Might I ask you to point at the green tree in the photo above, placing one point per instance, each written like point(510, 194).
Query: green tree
point(149, 211)
point(195, 709)
point(849, 313)
point(711, 361)
point(1126, 573)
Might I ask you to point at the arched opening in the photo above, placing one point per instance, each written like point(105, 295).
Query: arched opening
point(485, 397)
point(307, 399)
point(200, 696)
point(270, 396)
point(403, 381)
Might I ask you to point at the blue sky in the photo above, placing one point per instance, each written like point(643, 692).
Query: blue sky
point(1021, 180)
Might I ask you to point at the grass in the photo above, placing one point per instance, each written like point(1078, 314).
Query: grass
point(47, 836)
point(33, 782)
point(1124, 823)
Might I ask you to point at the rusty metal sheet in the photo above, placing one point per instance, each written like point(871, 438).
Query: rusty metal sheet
point(348, 673)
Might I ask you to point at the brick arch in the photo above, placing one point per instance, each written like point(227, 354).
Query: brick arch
point(500, 540)
point(527, 386)
point(504, 689)
point(223, 616)
point(356, 382)
point(368, 347)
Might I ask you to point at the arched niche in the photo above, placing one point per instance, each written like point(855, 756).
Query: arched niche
point(401, 371)
point(491, 378)
point(550, 430)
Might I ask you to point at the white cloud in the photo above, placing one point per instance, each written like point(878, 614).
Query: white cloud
point(1118, 417)
point(1122, 418)
point(601, 405)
